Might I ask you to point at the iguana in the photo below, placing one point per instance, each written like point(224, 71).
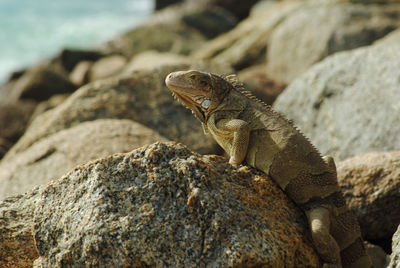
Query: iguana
point(251, 132)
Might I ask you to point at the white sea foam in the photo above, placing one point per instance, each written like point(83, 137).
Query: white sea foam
point(31, 30)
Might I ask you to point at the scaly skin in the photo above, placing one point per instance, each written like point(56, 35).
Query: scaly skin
point(251, 132)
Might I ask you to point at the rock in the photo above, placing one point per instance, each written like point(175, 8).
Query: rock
point(210, 22)
point(17, 244)
point(246, 44)
point(141, 96)
point(151, 59)
point(299, 42)
point(164, 206)
point(48, 105)
point(106, 67)
point(239, 8)
point(391, 38)
point(5, 145)
point(349, 103)
point(177, 29)
point(262, 86)
point(80, 74)
point(377, 254)
point(371, 187)
point(163, 37)
point(395, 257)
point(40, 83)
point(14, 118)
point(55, 155)
point(69, 58)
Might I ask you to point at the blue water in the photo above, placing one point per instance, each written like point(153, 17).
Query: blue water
point(31, 30)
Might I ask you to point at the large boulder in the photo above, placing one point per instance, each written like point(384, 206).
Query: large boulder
point(56, 154)
point(159, 206)
point(371, 186)
point(321, 29)
point(349, 103)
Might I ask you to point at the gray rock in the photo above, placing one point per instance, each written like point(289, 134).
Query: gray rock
point(371, 186)
point(321, 29)
point(164, 206)
point(349, 103)
point(56, 154)
point(395, 257)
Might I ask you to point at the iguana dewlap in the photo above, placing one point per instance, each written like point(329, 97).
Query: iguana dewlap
point(251, 132)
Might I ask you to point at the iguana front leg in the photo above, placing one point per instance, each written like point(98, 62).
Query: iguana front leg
point(241, 134)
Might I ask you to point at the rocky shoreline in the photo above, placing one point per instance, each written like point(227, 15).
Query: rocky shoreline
point(85, 138)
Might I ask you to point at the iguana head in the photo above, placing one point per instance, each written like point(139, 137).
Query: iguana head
point(199, 91)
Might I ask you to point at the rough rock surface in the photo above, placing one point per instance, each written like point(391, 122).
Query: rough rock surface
point(299, 42)
point(163, 206)
point(141, 96)
point(371, 186)
point(56, 154)
point(246, 44)
point(395, 257)
point(40, 83)
point(349, 103)
point(17, 245)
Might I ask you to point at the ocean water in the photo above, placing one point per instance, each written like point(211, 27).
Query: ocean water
point(32, 30)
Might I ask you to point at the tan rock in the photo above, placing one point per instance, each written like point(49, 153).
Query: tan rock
point(151, 59)
point(371, 186)
point(80, 74)
point(163, 206)
point(106, 67)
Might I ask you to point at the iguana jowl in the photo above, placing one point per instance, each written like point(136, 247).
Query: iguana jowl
point(251, 132)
